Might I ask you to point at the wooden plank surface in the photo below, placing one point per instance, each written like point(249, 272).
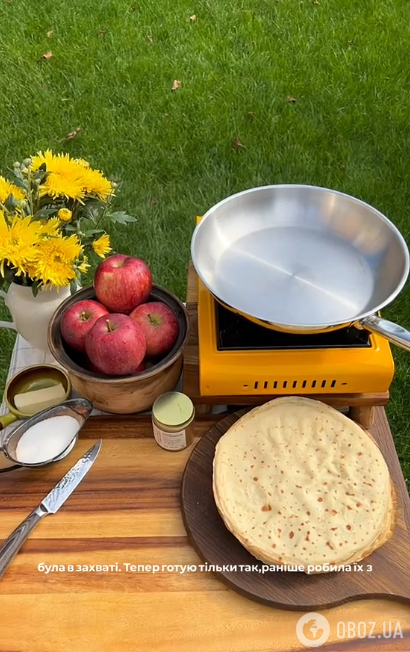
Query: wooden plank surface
point(127, 511)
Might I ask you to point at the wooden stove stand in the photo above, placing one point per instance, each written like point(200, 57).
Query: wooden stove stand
point(361, 406)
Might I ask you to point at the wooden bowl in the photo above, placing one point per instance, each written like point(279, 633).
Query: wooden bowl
point(121, 394)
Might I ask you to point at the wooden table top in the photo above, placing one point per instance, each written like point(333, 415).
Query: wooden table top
point(127, 512)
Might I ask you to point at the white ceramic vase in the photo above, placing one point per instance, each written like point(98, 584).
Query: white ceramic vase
point(31, 314)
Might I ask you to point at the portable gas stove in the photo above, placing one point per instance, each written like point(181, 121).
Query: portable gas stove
point(238, 357)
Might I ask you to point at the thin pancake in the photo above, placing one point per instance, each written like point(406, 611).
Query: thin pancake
point(298, 483)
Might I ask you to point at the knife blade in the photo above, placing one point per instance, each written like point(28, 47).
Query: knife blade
point(63, 489)
point(49, 505)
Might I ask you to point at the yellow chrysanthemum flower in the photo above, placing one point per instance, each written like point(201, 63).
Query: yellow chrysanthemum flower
point(7, 188)
point(64, 178)
point(64, 214)
point(102, 245)
point(3, 224)
point(82, 162)
point(55, 260)
point(95, 183)
point(71, 178)
point(84, 266)
point(18, 242)
point(59, 163)
point(69, 186)
point(50, 227)
point(30, 270)
point(48, 158)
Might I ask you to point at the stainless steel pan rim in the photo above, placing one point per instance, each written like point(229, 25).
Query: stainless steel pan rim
point(312, 326)
point(302, 259)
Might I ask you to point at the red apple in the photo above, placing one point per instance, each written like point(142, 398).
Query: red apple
point(78, 320)
point(122, 282)
point(159, 324)
point(116, 345)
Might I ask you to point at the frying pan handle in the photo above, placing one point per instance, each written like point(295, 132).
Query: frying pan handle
point(389, 330)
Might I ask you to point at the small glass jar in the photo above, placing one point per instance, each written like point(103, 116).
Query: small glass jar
point(173, 415)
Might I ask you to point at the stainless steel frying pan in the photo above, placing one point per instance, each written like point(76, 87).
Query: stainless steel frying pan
point(302, 259)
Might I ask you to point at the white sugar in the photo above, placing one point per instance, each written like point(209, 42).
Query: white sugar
point(46, 439)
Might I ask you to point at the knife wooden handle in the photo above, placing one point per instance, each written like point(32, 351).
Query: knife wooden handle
point(13, 543)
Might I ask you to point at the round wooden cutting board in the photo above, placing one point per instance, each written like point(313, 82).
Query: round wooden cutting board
point(384, 574)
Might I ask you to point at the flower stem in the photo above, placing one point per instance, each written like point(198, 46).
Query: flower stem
point(29, 190)
point(102, 215)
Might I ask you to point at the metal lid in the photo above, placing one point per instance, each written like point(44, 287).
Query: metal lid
point(173, 408)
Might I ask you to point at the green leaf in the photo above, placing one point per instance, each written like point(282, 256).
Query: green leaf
point(9, 274)
point(120, 217)
point(35, 288)
point(40, 176)
point(19, 183)
point(73, 287)
point(10, 203)
point(89, 215)
point(44, 213)
point(92, 211)
point(71, 228)
point(89, 234)
point(92, 200)
point(49, 201)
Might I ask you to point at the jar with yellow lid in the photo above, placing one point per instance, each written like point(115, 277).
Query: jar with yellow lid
point(173, 415)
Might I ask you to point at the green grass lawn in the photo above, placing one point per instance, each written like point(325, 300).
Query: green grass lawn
point(111, 73)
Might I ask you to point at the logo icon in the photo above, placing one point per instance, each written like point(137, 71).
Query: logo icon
point(313, 629)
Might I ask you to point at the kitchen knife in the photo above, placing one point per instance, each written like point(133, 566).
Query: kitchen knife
point(50, 505)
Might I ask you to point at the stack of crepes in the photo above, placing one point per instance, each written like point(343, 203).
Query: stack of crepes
point(300, 484)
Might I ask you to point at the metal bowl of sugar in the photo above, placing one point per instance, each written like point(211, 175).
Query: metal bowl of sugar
point(47, 437)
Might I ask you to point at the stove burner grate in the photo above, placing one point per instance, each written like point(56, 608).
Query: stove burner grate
point(236, 333)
